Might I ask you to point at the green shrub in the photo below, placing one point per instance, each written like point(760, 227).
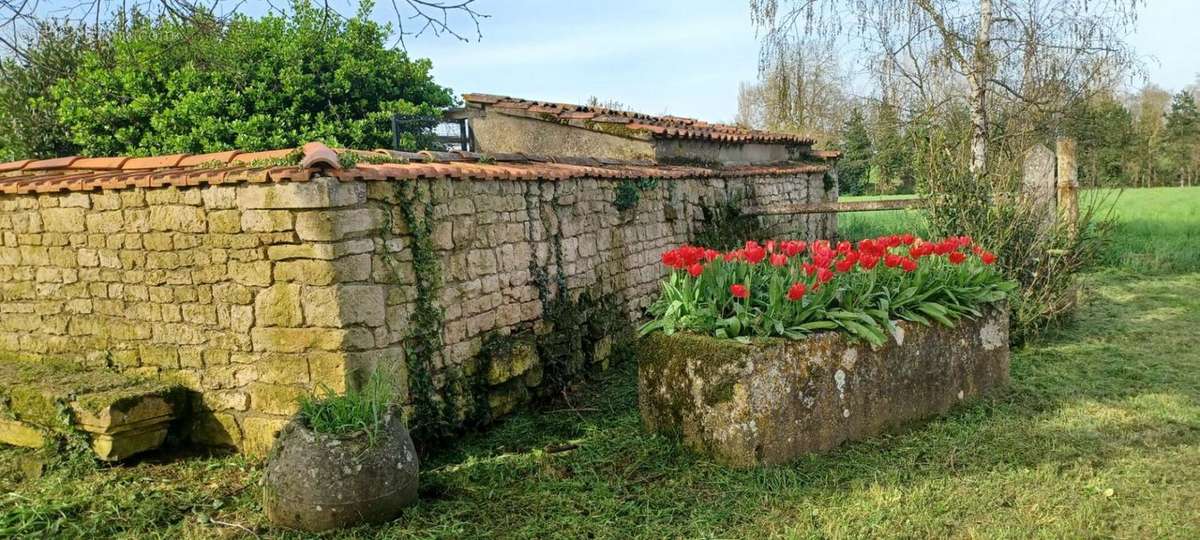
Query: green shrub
point(1044, 258)
point(358, 410)
point(206, 84)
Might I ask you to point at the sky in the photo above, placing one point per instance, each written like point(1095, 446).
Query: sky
point(683, 57)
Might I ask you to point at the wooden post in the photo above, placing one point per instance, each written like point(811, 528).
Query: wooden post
point(1068, 185)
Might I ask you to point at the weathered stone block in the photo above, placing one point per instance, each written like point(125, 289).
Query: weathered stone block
point(178, 218)
point(21, 434)
point(331, 225)
point(63, 219)
point(259, 433)
point(216, 429)
point(344, 305)
point(122, 415)
point(511, 361)
point(279, 305)
point(294, 340)
point(275, 398)
point(257, 273)
point(318, 193)
point(266, 220)
point(774, 400)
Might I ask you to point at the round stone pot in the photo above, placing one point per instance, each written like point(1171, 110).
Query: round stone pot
point(316, 482)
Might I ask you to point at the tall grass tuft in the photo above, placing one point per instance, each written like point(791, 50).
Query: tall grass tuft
point(359, 410)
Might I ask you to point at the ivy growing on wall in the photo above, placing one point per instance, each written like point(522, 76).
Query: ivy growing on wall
point(629, 192)
point(576, 324)
point(433, 412)
point(725, 227)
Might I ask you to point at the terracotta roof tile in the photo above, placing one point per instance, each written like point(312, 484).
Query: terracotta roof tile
point(315, 159)
point(673, 127)
point(53, 163)
point(14, 165)
point(99, 163)
point(153, 162)
point(204, 159)
point(251, 157)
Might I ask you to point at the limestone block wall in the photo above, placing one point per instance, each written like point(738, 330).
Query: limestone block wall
point(255, 294)
point(226, 289)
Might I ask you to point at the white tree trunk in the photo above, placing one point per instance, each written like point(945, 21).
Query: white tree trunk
point(978, 77)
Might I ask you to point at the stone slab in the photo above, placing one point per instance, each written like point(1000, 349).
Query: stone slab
point(123, 415)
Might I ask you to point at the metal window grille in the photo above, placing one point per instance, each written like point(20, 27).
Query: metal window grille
point(432, 132)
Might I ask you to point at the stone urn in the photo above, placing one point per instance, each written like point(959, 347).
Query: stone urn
point(316, 481)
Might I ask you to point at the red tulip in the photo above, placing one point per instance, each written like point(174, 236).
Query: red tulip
point(754, 254)
point(695, 270)
point(739, 291)
point(987, 257)
point(778, 259)
point(824, 275)
point(908, 265)
point(907, 239)
point(892, 260)
point(844, 265)
point(844, 247)
point(957, 257)
point(796, 292)
point(868, 262)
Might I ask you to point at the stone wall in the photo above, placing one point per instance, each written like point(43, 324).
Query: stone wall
point(255, 294)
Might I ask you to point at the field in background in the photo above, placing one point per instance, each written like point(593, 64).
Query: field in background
point(1098, 436)
point(859, 225)
point(1157, 230)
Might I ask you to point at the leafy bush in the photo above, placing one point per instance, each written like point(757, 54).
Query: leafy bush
point(205, 84)
point(784, 289)
point(359, 410)
point(1041, 254)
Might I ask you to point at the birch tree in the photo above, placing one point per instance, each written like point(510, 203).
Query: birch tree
point(1040, 53)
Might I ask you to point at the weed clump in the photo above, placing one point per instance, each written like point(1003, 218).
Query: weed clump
point(358, 410)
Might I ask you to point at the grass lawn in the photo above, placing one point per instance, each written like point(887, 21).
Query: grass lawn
point(1098, 435)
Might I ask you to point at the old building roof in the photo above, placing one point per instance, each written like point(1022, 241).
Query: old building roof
point(315, 159)
point(625, 122)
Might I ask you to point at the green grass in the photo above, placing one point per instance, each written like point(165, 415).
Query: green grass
point(1097, 436)
point(1158, 230)
point(859, 225)
point(357, 410)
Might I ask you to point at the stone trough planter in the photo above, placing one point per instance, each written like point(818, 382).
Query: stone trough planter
point(316, 482)
point(774, 400)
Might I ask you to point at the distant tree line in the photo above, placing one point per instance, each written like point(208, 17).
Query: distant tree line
point(1146, 138)
point(1143, 139)
point(142, 85)
point(944, 88)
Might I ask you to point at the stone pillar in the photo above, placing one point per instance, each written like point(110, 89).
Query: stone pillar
point(1038, 184)
point(1068, 184)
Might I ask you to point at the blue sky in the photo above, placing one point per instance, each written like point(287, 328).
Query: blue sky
point(683, 57)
